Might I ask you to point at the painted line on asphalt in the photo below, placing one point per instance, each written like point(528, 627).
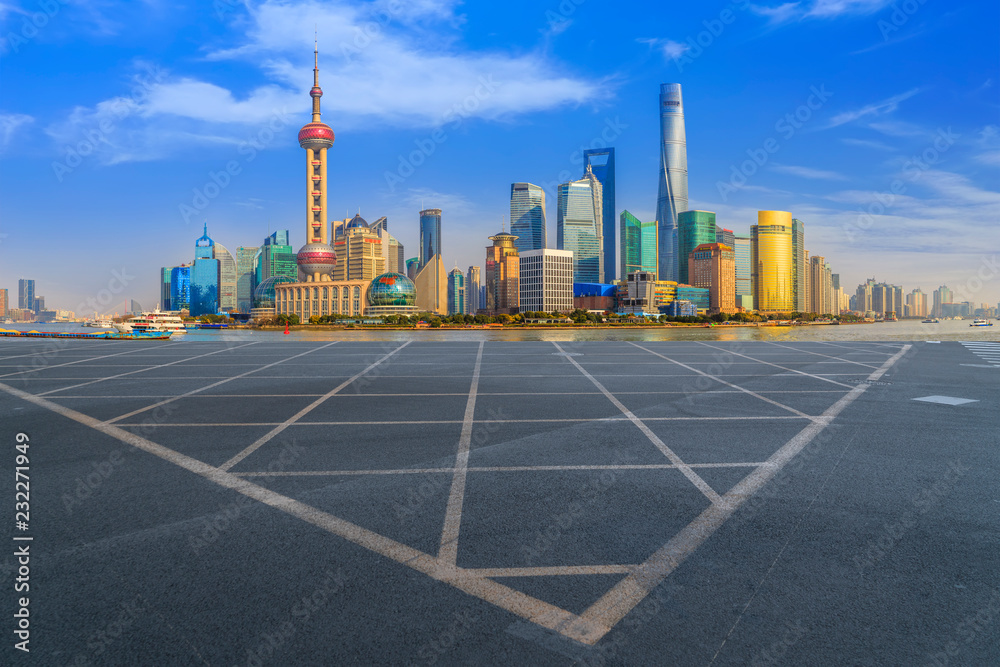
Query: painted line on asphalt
point(785, 368)
point(561, 468)
point(70, 363)
point(828, 356)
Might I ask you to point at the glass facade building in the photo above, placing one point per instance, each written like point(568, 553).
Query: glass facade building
point(699, 296)
point(165, 303)
point(430, 235)
point(204, 277)
point(579, 226)
point(673, 181)
point(602, 163)
point(25, 294)
point(412, 265)
point(527, 216)
point(227, 278)
point(244, 278)
point(724, 236)
point(694, 228)
point(180, 288)
point(275, 258)
point(800, 279)
point(771, 262)
point(456, 292)
point(638, 244)
point(741, 245)
point(472, 289)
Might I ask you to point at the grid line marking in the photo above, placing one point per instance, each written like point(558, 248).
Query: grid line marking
point(78, 361)
point(785, 368)
point(818, 354)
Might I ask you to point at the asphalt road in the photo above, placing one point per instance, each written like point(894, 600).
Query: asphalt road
point(294, 503)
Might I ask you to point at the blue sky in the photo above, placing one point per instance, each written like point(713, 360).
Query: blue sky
point(114, 116)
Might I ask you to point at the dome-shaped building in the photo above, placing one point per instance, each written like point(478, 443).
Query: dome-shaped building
point(391, 294)
point(263, 294)
point(316, 262)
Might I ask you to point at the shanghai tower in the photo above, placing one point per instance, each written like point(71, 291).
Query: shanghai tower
point(673, 195)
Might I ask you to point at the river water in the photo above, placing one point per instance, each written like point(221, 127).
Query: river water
point(908, 330)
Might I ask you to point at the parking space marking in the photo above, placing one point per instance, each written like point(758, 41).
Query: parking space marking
point(476, 469)
point(303, 412)
point(828, 356)
point(784, 368)
point(78, 361)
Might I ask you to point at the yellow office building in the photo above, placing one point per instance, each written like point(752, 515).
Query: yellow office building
point(771, 262)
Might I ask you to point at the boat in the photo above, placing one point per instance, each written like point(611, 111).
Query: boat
point(981, 323)
point(99, 323)
point(103, 335)
point(931, 321)
point(156, 320)
point(206, 325)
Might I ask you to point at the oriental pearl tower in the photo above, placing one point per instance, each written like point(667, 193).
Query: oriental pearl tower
point(316, 259)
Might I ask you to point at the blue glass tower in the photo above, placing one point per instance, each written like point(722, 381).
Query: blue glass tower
point(673, 194)
point(430, 235)
point(204, 277)
point(602, 163)
point(180, 288)
point(527, 216)
point(579, 226)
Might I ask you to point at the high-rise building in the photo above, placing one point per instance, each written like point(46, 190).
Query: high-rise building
point(456, 292)
point(204, 277)
point(4, 302)
point(227, 278)
point(725, 236)
point(800, 267)
point(673, 188)
point(771, 262)
point(579, 226)
point(818, 303)
point(165, 288)
point(315, 260)
point(275, 258)
point(245, 278)
point(180, 287)
point(916, 304)
point(412, 265)
point(527, 216)
point(39, 304)
point(713, 265)
point(392, 249)
point(942, 295)
point(694, 228)
point(503, 274)
point(546, 280)
point(430, 236)
point(472, 286)
point(432, 287)
point(638, 244)
point(25, 294)
point(602, 163)
point(741, 246)
point(359, 251)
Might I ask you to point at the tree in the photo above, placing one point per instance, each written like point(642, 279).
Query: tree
point(435, 322)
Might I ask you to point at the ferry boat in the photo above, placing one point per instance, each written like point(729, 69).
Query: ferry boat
point(155, 321)
point(931, 321)
point(981, 323)
point(100, 323)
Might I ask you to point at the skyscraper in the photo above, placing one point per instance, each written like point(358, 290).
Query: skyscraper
point(694, 228)
point(275, 258)
point(431, 284)
point(546, 280)
point(527, 216)
point(817, 280)
point(472, 285)
point(741, 245)
point(4, 302)
point(942, 295)
point(713, 265)
point(165, 288)
point(456, 292)
point(359, 251)
point(392, 249)
point(638, 244)
point(204, 277)
point(430, 235)
point(725, 236)
point(771, 261)
point(412, 264)
point(916, 304)
point(800, 279)
point(602, 162)
point(673, 190)
point(227, 278)
point(579, 226)
point(503, 274)
point(244, 278)
point(180, 287)
point(25, 294)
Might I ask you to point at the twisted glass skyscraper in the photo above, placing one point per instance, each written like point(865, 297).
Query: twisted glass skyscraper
point(673, 196)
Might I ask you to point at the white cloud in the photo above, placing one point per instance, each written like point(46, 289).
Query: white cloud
point(779, 13)
point(9, 122)
point(819, 9)
point(867, 143)
point(807, 172)
point(670, 49)
point(886, 106)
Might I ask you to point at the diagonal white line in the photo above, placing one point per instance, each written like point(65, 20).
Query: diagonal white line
point(424, 471)
point(453, 516)
point(695, 478)
point(728, 384)
point(302, 413)
point(791, 370)
point(620, 600)
point(143, 369)
point(828, 356)
point(215, 384)
point(78, 361)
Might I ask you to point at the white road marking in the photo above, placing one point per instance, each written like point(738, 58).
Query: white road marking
point(580, 420)
point(477, 469)
point(828, 356)
point(303, 412)
point(784, 368)
point(947, 400)
point(70, 363)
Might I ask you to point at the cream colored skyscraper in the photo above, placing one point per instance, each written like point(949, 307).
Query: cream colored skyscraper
point(771, 262)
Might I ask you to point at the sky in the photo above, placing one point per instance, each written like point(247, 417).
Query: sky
point(127, 126)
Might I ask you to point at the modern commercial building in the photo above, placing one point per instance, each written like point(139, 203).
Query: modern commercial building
point(725, 236)
point(180, 287)
point(527, 216)
point(359, 251)
point(820, 287)
point(430, 235)
point(579, 227)
point(245, 278)
point(916, 304)
point(694, 228)
point(39, 305)
point(275, 258)
point(227, 278)
point(432, 287)
point(673, 180)
point(4, 302)
point(744, 287)
point(165, 288)
point(546, 280)
point(595, 296)
point(412, 264)
point(771, 262)
point(456, 292)
point(318, 298)
point(391, 294)
point(25, 294)
point(942, 296)
point(699, 296)
point(713, 265)
point(637, 294)
point(602, 163)
point(800, 282)
point(204, 277)
point(392, 249)
point(638, 244)
point(503, 275)
point(473, 284)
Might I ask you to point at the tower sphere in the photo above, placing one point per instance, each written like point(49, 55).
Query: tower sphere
point(316, 258)
point(316, 135)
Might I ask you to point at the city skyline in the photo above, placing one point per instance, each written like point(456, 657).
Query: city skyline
point(844, 158)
